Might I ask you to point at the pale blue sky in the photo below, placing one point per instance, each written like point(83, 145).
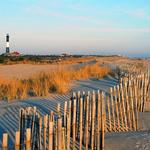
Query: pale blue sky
point(76, 26)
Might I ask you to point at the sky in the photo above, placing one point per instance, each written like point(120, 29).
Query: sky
point(76, 26)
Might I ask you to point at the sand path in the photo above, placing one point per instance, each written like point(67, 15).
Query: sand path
point(131, 140)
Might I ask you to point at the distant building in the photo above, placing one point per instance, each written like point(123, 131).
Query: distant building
point(8, 53)
point(12, 54)
point(65, 55)
point(15, 53)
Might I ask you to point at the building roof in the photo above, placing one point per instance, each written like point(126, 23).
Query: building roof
point(15, 53)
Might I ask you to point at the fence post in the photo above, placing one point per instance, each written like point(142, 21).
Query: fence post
point(113, 111)
point(116, 106)
point(98, 119)
point(93, 120)
point(68, 132)
point(45, 129)
point(120, 108)
point(5, 141)
point(59, 134)
point(128, 106)
point(87, 123)
point(136, 104)
point(21, 127)
point(28, 138)
point(17, 140)
point(63, 145)
point(74, 125)
point(103, 132)
point(65, 112)
point(142, 96)
point(81, 113)
point(109, 113)
point(145, 89)
point(123, 107)
point(138, 92)
point(78, 113)
point(50, 142)
point(40, 130)
point(69, 110)
point(132, 106)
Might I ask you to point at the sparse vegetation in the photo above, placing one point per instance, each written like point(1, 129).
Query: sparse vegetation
point(44, 59)
point(44, 83)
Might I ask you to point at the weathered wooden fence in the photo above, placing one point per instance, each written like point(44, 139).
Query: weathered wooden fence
point(141, 85)
point(82, 122)
point(81, 125)
point(125, 100)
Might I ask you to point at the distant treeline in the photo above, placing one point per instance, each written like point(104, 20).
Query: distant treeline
point(34, 58)
point(42, 58)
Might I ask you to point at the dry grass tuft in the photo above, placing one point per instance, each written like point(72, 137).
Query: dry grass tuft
point(44, 83)
point(94, 71)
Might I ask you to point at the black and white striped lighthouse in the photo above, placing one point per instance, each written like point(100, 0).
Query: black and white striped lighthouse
point(7, 43)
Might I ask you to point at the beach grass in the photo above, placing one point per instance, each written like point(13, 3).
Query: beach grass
point(44, 83)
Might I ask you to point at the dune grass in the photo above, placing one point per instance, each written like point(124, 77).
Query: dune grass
point(45, 83)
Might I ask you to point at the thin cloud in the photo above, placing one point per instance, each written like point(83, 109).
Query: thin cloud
point(110, 30)
point(141, 14)
point(38, 10)
point(125, 30)
point(85, 18)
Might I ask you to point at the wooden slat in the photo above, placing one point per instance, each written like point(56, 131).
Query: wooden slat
point(28, 139)
point(5, 141)
point(68, 132)
point(98, 120)
point(81, 131)
point(45, 130)
point(17, 140)
point(59, 134)
point(93, 121)
point(123, 108)
point(103, 133)
point(50, 141)
point(132, 106)
point(40, 132)
point(120, 108)
point(136, 104)
point(65, 112)
point(113, 109)
point(87, 124)
point(109, 113)
point(116, 108)
point(74, 125)
point(128, 107)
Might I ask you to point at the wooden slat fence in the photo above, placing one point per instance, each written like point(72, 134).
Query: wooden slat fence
point(81, 123)
point(141, 85)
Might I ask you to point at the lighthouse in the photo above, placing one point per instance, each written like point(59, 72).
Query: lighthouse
point(7, 44)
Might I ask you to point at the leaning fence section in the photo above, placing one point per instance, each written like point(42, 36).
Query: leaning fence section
point(141, 85)
point(119, 107)
point(81, 125)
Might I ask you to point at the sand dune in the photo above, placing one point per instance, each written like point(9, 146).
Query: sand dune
point(9, 112)
point(9, 116)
